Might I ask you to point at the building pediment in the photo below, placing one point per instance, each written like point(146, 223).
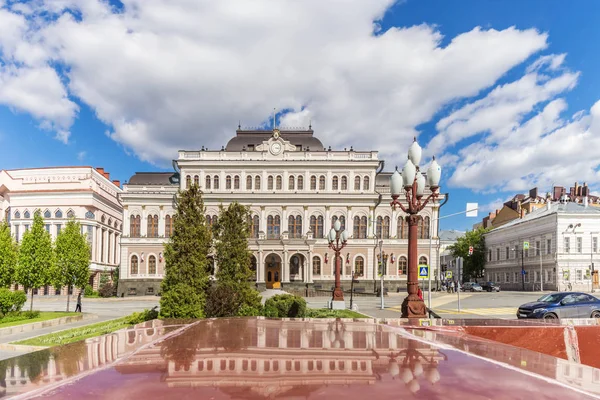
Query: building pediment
point(276, 145)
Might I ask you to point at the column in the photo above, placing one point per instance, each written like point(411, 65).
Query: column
point(284, 221)
point(260, 267)
point(394, 224)
point(306, 222)
point(144, 223)
point(98, 241)
point(105, 238)
point(309, 267)
point(263, 220)
point(372, 228)
point(125, 223)
point(285, 273)
point(349, 222)
point(327, 222)
point(117, 249)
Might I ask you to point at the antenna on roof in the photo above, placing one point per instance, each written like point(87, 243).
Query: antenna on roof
point(239, 124)
point(309, 125)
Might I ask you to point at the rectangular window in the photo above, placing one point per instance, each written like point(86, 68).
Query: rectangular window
point(537, 248)
point(58, 228)
point(594, 245)
point(543, 247)
point(26, 228)
point(47, 228)
point(579, 245)
point(567, 245)
point(537, 276)
point(506, 277)
point(549, 246)
point(17, 233)
point(507, 253)
point(498, 254)
point(526, 253)
point(516, 277)
point(526, 278)
point(579, 274)
point(250, 147)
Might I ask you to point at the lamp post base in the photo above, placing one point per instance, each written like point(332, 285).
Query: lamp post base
point(338, 305)
point(413, 307)
point(338, 294)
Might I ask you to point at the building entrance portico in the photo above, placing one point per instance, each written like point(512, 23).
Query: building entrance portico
point(273, 271)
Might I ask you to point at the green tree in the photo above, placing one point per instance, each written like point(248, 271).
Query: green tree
point(186, 262)
point(71, 268)
point(36, 257)
point(473, 264)
point(8, 256)
point(231, 233)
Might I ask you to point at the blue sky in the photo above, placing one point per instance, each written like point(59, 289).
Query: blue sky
point(125, 87)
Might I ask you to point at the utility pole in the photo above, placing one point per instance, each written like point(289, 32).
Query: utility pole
point(523, 268)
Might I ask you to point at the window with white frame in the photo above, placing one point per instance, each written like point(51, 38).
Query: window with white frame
point(507, 253)
point(506, 277)
point(594, 245)
point(526, 277)
point(579, 274)
point(498, 254)
point(548, 246)
point(537, 276)
point(579, 245)
point(567, 245)
point(537, 248)
point(516, 277)
point(543, 249)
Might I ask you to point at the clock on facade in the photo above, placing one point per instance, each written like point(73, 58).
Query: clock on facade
point(276, 148)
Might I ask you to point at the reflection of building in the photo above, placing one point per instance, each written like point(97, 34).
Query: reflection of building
point(296, 189)
point(564, 235)
point(59, 194)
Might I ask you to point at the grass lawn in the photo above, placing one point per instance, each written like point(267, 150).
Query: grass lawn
point(327, 313)
point(76, 334)
point(44, 316)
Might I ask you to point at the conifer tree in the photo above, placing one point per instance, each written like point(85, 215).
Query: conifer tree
point(186, 263)
point(8, 256)
point(231, 234)
point(36, 257)
point(71, 268)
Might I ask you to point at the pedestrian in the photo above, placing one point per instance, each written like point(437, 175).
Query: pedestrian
point(420, 293)
point(78, 308)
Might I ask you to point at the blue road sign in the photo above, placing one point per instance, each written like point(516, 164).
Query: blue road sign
point(423, 271)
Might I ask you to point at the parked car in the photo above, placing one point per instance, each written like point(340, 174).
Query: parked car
point(471, 287)
point(490, 287)
point(561, 305)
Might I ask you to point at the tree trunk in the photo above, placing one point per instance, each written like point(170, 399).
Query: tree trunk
point(68, 297)
point(31, 305)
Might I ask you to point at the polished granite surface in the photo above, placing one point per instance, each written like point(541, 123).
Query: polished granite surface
point(254, 358)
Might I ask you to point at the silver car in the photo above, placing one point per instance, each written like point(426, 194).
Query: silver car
point(471, 287)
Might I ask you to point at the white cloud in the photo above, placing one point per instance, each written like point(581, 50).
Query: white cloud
point(81, 155)
point(166, 74)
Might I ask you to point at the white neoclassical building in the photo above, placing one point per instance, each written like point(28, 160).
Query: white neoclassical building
point(563, 244)
point(296, 188)
point(59, 194)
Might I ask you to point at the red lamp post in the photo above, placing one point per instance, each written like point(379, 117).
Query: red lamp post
point(337, 241)
point(412, 182)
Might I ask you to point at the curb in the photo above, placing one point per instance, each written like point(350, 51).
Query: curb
point(20, 347)
point(11, 330)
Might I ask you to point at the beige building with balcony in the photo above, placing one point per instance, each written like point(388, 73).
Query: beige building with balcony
point(295, 188)
point(59, 194)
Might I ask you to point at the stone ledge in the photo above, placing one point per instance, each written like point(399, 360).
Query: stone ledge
point(20, 347)
point(11, 330)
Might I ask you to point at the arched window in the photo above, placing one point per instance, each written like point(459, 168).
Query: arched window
point(134, 265)
point(279, 183)
point(295, 226)
point(211, 220)
point(188, 181)
point(152, 225)
point(383, 227)
point(207, 182)
point(257, 183)
point(344, 185)
point(103, 219)
point(322, 182)
point(357, 183)
point(425, 230)
point(248, 182)
point(216, 182)
point(135, 224)
point(152, 265)
point(47, 214)
point(18, 215)
point(359, 266)
point(334, 183)
point(342, 221)
point(291, 183)
point(254, 227)
point(300, 182)
point(26, 215)
point(366, 183)
point(423, 260)
point(316, 264)
point(313, 183)
point(88, 215)
point(360, 227)
point(316, 226)
point(270, 182)
point(168, 226)
point(228, 182)
point(197, 180)
point(58, 214)
point(402, 265)
point(236, 182)
point(402, 228)
point(273, 226)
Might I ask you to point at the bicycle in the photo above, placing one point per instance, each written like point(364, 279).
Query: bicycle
point(568, 287)
point(537, 287)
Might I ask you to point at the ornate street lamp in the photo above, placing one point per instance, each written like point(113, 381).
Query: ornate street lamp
point(412, 182)
point(337, 241)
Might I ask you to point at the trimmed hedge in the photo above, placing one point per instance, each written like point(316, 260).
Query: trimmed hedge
point(11, 302)
point(285, 306)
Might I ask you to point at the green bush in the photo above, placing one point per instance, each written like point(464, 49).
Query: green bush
point(31, 314)
point(106, 290)
point(11, 302)
point(285, 306)
point(249, 311)
point(222, 301)
point(88, 291)
point(182, 301)
point(139, 317)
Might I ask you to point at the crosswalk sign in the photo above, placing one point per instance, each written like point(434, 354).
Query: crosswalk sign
point(423, 271)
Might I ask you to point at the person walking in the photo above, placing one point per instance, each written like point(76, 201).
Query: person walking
point(420, 293)
point(78, 308)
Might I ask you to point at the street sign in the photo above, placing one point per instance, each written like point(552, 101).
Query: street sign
point(448, 274)
point(472, 209)
point(423, 271)
point(470, 250)
point(566, 275)
point(525, 245)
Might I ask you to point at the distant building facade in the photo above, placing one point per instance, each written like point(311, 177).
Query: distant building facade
point(84, 193)
point(296, 189)
point(447, 260)
point(563, 243)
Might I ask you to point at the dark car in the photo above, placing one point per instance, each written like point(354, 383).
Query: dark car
point(490, 287)
point(471, 287)
point(561, 305)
